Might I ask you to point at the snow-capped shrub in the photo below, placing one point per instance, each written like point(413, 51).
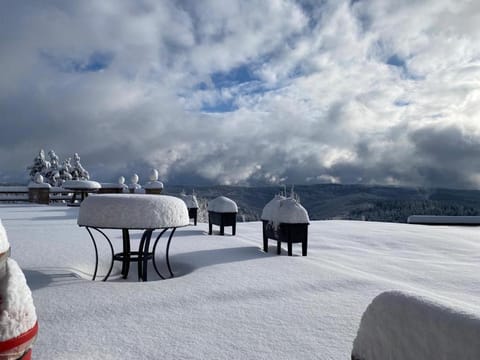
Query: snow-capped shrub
point(190, 201)
point(403, 326)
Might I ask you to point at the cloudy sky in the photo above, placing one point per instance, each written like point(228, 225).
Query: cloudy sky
point(245, 92)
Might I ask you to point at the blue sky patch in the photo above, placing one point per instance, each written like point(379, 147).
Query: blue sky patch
point(97, 61)
point(238, 75)
point(220, 107)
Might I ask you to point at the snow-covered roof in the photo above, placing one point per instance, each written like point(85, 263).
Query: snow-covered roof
point(17, 312)
point(190, 201)
point(409, 327)
point(222, 204)
point(81, 184)
point(154, 185)
point(285, 210)
point(13, 188)
point(133, 211)
point(445, 220)
point(4, 245)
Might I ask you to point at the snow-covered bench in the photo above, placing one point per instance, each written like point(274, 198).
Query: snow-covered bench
point(400, 326)
point(444, 220)
point(129, 212)
point(222, 211)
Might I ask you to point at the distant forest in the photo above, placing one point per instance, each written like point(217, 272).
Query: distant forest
point(354, 202)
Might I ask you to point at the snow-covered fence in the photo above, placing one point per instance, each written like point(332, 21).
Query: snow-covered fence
point(402, 326)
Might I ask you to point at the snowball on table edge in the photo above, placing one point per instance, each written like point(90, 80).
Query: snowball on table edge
point(427, 329)
point(4, 245)
point(133, 211)
point(190, 201)
point(81, 184)
point(17, 311)
point(222, 204)
point(270, 210)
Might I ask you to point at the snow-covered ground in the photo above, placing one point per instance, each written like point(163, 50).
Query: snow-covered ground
point(229, 299)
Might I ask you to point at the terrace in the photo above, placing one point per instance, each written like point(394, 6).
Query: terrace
point(229, 299)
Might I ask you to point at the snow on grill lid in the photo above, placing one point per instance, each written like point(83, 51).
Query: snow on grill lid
point(222, 204)
point(291, 212)
point(427, 329)
point(133, 211)
point(271, 209)
point(17, 312)
point(4, 245)
point(81, 184)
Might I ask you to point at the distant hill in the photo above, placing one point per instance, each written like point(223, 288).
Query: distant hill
point(355, 202)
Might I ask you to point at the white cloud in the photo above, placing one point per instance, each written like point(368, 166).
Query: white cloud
point(346, 91)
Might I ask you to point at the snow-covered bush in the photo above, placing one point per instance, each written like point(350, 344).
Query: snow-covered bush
point(403, 326)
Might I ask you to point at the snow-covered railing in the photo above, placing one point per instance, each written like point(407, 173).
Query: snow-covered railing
point(402, 326)
point(13, 193)
point(444, 220)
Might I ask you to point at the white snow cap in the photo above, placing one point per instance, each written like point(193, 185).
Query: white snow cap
point(153, 175)
point(81, 184)
point(285, 210)
point(4, 245)
point(222, 204)
point(397, 325)
point(17, 312)
point(270, 210)
point(34, 185)
point(133, 211)
point(190, 201)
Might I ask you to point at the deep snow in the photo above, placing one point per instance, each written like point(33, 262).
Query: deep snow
point(229, 299)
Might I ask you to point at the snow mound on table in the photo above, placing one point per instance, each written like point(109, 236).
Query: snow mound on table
point(190, 201)
point(4, 245)
point(133, 211)
point(222, 204)
point(397, 325)
point(81, 184)
point(17, 312)
point(270, 210)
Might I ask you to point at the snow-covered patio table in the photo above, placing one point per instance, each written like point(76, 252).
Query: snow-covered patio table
point(82, 188)
point(133, 212)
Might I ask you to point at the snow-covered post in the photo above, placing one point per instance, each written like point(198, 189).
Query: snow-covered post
point(154, 186)
point(38, 191)
point(134, 185)
point(18, 319)
point(222, 211)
